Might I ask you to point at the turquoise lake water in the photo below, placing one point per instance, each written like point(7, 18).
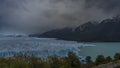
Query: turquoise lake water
point(107, 49)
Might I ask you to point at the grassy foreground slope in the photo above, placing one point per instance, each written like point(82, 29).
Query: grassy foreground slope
point(109, 65)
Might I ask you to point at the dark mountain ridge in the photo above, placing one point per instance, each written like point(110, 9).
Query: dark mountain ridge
point(106, 31)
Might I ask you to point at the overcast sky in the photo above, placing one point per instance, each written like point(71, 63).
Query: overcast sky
point(43, 15)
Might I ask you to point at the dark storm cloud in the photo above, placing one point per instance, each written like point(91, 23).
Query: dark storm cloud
point(109, 6)
point(44, 15)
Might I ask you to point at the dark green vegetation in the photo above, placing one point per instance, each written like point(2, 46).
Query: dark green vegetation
point(71, 61)
point(24, 61)
point(107, 62)
point(105, 31)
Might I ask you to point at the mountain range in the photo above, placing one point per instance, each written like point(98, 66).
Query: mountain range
point(107, 30)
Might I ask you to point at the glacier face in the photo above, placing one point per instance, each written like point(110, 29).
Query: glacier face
point(40, 47)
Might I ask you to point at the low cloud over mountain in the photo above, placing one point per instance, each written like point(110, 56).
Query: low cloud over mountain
point(105, 31)
point(43, 15)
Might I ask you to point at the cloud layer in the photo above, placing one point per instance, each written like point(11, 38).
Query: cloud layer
point(109, 6)
point(42, 15)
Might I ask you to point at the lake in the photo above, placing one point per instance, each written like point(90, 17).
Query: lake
point(102, 48)
point(42, 47)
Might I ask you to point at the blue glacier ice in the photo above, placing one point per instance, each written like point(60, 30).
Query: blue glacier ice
point(39, 47)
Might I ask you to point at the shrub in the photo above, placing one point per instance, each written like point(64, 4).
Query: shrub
point(73, 60)
point(100, 60)
point(108, 59)
point(117, 57)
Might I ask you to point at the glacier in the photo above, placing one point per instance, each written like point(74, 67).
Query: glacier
point(40, 47)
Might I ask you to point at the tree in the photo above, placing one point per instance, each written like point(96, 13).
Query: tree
point(88, 59)
point(74, 61)
point(117, 57)
point(90, 63)
point(108, 59)
point(100, 60)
